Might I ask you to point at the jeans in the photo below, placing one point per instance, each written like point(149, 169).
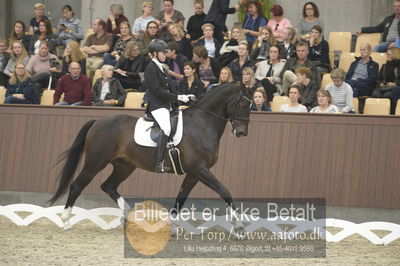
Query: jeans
point(109, 59)
point(72, 104)
point(382, 47)
point(15, 100)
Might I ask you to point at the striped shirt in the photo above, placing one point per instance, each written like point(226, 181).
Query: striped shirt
point(342, 96)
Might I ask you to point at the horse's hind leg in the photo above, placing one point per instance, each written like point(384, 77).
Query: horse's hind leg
point(121, 171)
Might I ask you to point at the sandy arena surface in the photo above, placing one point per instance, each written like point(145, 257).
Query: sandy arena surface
point(43, 243)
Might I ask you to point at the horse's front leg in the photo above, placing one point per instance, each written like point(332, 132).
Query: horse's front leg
point(187, 186)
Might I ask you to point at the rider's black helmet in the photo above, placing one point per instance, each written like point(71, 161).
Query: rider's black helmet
point(158, 45)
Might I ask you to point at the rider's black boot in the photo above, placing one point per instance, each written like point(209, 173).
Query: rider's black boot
point(161, 149)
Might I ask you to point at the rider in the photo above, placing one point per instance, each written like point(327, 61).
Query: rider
point(160, 95)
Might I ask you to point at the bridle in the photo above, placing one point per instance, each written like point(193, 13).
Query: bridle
point(234, 116)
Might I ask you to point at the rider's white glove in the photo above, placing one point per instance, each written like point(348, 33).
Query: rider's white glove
point(183, 98)
point(192, 97)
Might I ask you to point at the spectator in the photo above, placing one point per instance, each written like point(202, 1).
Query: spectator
point(268, 73)
point(120, 44)
point(260, 101)
point(308, 87)
point(96, 45)
point(242, 61)
point(253, 22)
point(389, 28)
point(39, 15)
point(263, 43)
point(319, 50)
point(248, 79)
point(45, 33)
point(129, 66)
point(363, 73)
point(115, 19)
point(228, 51)
point(108, 91)
point(150, 34)
point(175, 61)
point(225, 76)
point(207, 68)
point(18, 55)
point(212, 44)
point(193, 29)
point(191, 84)
point(4, 58)
point(217, 13)
point(288, 45)
point(310, 19)
point(389, 75)
point(73, 53)
point(140, 24)
point(18, 34)
point(324, 103)
point(69, 27)
point(183, 44)
point(167, 16)
point(293, 106)
point(341, 92)
point(75, 86)
point(41, 67)
point(19, 89)
point(278, 23)
point(288, 76)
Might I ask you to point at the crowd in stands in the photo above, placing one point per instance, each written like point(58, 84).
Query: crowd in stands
point(271, 57)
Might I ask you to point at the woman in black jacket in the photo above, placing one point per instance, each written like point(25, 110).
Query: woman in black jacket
point(107, 91)
point(191, 84)
point(129, 67)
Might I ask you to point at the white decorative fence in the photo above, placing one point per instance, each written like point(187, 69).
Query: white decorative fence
point(94, 215)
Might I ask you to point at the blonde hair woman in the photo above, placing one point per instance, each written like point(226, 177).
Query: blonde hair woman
point(73, 53)
point(19, 90)
point(120, 44)
point(248, 78)
point(139, 26)
point(225, 76)
point(177, 35)
point(18, 55)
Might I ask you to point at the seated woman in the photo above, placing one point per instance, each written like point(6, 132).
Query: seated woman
point(262, 44)
point(69, 27)
point(167, 16)
point(73, 53)
point(191, 84)
point(253, 21)
point(228, 51)
point(209, 42)
point(319, 50)
point(140, 24)
point(278, 23)
point(45, 33)
point(152, 32)
point(19, 89)
point(268, 73)
point(119, 45)
point(242, 61)
point(41, 67)
point(175, 61)
point(293, 106)
point(325, 105)
point(183, 44)
point(18, 34)
point(207, 68)
point(260, 101)
point(310, 19)
point(129, 67)
point(308, 87)
point(288, 46)
point(341, 92)
point(115, 19)
point(4, 58)
point(389, 75)
point(107, 91)
point(18, 55)
point(225, 76)
point(248, 79)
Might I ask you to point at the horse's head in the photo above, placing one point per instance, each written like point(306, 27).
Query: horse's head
point(239, 112)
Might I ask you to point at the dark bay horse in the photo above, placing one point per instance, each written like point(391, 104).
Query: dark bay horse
point(110, 140)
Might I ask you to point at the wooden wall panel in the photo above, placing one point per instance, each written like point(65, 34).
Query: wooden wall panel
point(351, 160)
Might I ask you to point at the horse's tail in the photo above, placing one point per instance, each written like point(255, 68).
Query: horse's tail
point(72, 157)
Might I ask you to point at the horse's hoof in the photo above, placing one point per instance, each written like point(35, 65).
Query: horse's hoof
point(67, 225)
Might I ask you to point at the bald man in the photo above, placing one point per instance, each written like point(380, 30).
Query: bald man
point(75, 86)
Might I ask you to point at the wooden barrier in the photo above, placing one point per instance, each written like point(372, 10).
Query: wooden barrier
point(351, 160)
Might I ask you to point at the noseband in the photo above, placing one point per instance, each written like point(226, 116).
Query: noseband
point(237, 102)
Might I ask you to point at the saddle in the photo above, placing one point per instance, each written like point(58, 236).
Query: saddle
point(155, 129)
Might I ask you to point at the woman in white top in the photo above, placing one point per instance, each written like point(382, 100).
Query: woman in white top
point(232, 44)
point(268, 73)
point(293, 106)
point(325, 105)
point(140, 24)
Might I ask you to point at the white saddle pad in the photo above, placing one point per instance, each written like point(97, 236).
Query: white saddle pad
point(143, 128)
